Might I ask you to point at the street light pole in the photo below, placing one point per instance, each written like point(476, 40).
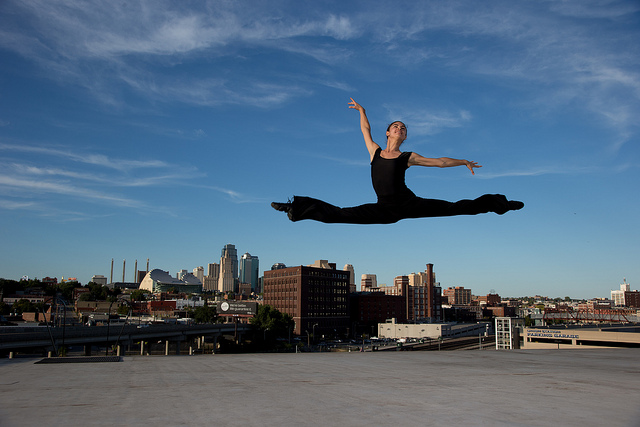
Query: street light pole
point(314, 332)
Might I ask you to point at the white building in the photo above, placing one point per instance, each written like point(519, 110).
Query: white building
point(199, 273)
point(161, 281)
point(508, 333)
point(99, 279)
point(618, 296)
point(394, 330)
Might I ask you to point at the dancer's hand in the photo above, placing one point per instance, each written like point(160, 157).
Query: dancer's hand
point(353, 104)
point(472, 165)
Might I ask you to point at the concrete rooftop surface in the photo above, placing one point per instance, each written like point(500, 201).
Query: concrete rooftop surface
point(586, 387)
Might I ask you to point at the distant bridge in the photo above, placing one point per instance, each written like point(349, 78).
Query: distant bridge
point(21, 339)
point(591, 315)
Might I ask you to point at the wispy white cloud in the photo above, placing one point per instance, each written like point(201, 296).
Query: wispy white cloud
point(422, 121)
point(87, 158)
point(50, 187)
point(234, 196)
point(28, 185)
point(109, 179)
point(16, 205)
point(74, 40)
point(540, 171)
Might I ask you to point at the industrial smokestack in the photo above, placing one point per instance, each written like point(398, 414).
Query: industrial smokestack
point(147, 265)
point(124, 263)
point(135, 272)
point(111, 277)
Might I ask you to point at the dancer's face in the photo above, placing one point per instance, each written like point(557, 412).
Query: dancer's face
point(397, 129)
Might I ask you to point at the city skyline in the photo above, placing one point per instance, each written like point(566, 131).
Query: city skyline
point(358, 278)
point(162, 130)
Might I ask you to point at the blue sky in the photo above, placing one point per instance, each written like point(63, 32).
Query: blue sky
point(163, 130)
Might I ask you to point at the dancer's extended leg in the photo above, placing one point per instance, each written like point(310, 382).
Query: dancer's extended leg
point(309, 208)
point(422, 208)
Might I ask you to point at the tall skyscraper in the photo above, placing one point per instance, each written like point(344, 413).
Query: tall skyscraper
point(213, 270)
point(210, 282)
point(352, 277)
point(229, 251)
point(228, 269)
point(249, 270)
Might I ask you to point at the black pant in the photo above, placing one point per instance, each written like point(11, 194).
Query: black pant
point(384, 213)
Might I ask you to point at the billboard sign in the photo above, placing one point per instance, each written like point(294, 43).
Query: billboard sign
point(237, 308)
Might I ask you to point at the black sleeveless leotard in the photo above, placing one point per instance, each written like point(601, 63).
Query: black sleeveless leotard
point(387, 176)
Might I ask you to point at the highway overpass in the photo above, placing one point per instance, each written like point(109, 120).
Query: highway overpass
point(14, 339)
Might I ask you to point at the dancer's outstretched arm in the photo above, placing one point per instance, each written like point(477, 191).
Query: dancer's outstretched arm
point(365, 127)
point(442, 162)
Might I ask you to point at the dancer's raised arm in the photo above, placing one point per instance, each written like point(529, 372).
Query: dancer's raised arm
point(441, 162)
point(365, 127)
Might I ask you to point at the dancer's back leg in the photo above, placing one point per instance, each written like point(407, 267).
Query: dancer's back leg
point(309, 208)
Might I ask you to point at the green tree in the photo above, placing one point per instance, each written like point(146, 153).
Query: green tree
point(205, 314)
point(528, 321)
point(9, 287)
point(86, 297)
point(272, 322)
point(23, 305)
point(138, 295)
point(66, 290)
point(99, 292)
point(123, 310)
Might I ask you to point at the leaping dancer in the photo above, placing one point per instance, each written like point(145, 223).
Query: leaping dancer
point(395, 200)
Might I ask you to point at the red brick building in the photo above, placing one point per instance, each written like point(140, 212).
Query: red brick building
point(161, 308)
point(457, 296)
point(632, 299)
point(316, 297)
point(422, 295)
point(370, 308)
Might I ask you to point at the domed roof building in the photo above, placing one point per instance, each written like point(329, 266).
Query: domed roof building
point(161, 281)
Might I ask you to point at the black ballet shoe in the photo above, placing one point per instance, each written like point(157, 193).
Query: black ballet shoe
point(515, 205)
point(281, 207)
point(284, 207)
